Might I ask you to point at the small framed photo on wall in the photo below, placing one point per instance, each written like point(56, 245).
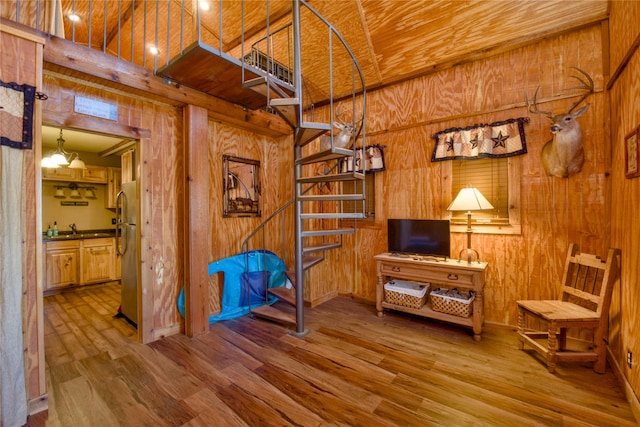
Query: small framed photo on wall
point(632, 154)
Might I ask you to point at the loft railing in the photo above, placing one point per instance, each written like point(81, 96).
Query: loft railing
point(263, 54)
point(152, 33)
point(142, 32)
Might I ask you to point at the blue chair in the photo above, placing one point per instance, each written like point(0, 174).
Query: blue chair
point(246, 279)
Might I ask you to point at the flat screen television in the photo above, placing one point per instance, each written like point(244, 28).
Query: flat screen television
point(419, 236)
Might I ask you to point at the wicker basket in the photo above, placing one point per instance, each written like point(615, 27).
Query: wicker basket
point(450, 305)
point(406, 294)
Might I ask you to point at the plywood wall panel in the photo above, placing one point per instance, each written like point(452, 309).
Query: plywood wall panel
point(275, 156)
point(554, 212)
point(625, 195)
point(625, 16)
point(168, 194)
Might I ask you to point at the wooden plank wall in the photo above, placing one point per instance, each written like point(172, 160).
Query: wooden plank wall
point(625, 197)
point(554, 212)
point(162, 189)
point(226, 235)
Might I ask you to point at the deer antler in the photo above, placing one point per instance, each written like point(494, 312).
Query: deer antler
point(533, 107)
point(585, 84)
point(340, 112)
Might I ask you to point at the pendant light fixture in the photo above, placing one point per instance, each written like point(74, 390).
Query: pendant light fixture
point(62, 158)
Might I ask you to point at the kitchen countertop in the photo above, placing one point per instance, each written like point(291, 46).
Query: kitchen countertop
point(86, 234)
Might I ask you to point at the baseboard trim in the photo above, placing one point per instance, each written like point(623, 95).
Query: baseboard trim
point(39, 404)
point(628, 390)
point(174, 329)
point(324, 298)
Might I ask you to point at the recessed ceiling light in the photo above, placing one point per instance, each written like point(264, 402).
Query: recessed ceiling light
point(204, 5)
point(154, 50)
point(73, 17)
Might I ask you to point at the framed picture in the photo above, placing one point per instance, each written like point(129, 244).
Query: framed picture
point(632, 154)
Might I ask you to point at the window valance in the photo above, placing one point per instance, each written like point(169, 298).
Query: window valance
point(499, 139)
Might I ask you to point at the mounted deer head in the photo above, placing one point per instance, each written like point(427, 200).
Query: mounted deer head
point(563, 156)
point(347, 131)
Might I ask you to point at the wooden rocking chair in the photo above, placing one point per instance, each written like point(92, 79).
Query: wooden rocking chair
point(587, 284)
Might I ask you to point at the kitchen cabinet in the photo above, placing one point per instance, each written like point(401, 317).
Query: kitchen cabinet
point(60, 174)
point(61, 260)
point(80, 262)
point(114, 182)
point(95, 174)
point(126, 161)
point(92, 174)
point(97, 259)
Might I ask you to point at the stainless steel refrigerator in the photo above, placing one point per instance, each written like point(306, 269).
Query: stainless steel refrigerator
point(126, 207)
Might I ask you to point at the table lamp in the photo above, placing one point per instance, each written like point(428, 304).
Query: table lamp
point(469, 199)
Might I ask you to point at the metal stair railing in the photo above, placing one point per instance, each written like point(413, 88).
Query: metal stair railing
point(294, 106)
point(299, 204)
point(281, 209)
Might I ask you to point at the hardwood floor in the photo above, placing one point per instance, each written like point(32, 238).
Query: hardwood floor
point(352, 369)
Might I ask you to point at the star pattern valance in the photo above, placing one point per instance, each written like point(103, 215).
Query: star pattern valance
point(499, 139)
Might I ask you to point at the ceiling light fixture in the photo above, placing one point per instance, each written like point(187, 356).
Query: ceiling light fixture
point(73, 17)
point(154, 50)
point(62, 158)
point(204, 6)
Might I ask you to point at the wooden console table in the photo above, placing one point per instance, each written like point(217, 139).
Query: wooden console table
point(443, 273)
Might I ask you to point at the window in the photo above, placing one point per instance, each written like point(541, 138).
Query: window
point(491, 178)
point(498, 179)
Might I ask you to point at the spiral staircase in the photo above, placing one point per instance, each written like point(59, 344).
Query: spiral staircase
point(319, 202)
point(281, 72)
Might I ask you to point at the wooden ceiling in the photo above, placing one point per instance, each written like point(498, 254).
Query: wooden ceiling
point(392, 39)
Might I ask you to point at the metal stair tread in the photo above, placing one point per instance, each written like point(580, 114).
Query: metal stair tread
point(328, 232)
point(348, 176)
point(288, 109)
point(323, 156)
point(321, 247)
point(332, 215)
point(272, 313)
point(309, 261)
point(331, 197)
point(264, 85)
point(283, 293)
point(309, 131)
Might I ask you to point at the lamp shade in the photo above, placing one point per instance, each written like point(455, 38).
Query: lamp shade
point(469, 199)
point(46, 162)
point(59, 159)
point(77, 164)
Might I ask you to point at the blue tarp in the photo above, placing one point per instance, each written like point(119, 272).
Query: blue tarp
point(245, 277)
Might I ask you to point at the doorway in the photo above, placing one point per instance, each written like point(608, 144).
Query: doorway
point(80, 205)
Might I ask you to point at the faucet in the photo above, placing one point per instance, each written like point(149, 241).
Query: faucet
point(73, 228)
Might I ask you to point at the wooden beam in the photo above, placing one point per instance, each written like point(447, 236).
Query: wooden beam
point(88, 61)
point(196, 224)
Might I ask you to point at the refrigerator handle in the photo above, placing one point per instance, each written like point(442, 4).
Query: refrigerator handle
point(121, 204)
